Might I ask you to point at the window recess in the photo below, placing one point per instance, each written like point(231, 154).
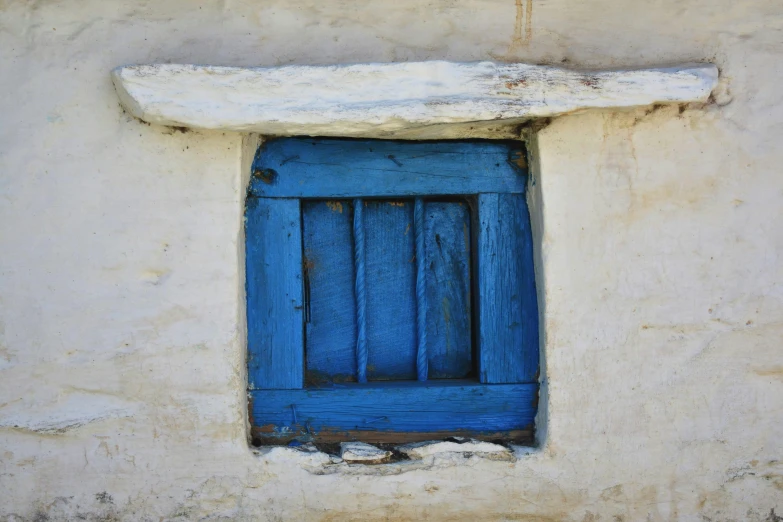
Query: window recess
point(390, 291)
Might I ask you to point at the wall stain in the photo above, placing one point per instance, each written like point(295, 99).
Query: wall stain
point(777, 480)
point(104, 498)
point(772, 371)
point(630, 191)
point(523, 25)
point(5, 354)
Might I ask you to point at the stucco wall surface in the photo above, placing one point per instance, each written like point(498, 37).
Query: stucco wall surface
point(121, 315)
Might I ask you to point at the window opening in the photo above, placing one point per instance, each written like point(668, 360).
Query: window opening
point(390, 291)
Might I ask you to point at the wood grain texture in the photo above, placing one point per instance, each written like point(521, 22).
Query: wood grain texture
point(508, 310)
point(390, 99)
point(331, 168)
point(330, 313)
point(447, 261)
point(447, 406)
point(273, 261)
point(391, 289)
point(268, 436)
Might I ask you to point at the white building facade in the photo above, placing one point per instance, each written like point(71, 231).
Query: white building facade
point(658, 259)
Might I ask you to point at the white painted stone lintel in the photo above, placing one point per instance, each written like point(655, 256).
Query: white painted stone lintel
point(403, 100)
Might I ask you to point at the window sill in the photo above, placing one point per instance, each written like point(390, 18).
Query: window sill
point(435, 455)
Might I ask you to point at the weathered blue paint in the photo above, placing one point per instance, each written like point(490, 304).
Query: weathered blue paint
point(421, 291)
point(274, 293)
point(508, 310)
point(442, 284)
point(330, 313)
point(447, 260)
point(360, 267)
point(332, 168)
point(391, 294)
point(350, 280)
point(433, 406)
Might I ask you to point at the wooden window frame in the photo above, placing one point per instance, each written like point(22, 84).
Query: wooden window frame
point(501, 403)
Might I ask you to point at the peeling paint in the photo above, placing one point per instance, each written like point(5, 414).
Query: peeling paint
point(335, 206)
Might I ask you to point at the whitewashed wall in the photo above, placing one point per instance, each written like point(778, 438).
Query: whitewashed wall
point(121, 333)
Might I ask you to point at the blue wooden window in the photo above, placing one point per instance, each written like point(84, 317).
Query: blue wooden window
point(390, 291)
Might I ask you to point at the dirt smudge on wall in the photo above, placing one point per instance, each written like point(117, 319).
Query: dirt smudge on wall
point(523, 25)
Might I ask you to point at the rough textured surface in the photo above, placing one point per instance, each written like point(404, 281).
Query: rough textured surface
point(359, 452)
point(389, 99)
point(121, 287)
point(488, 450)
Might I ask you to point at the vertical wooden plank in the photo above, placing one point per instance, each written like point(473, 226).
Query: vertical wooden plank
point(390, 287)
point(273, 262)
point(330, 308)
point(447, 260)
point(508, 310)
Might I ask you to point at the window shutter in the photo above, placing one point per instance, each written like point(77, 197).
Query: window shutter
point(407, 267)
